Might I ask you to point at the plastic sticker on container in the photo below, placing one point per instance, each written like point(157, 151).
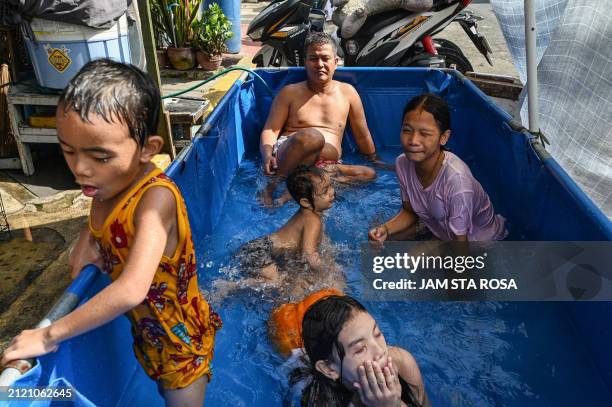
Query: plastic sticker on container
point(58, 58)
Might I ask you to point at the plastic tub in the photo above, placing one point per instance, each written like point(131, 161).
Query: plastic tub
point(59, 50)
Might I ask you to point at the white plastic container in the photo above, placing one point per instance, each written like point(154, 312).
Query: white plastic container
point(59, 50)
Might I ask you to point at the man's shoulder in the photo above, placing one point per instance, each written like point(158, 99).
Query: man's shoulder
point(294, 87)
point(346, 88)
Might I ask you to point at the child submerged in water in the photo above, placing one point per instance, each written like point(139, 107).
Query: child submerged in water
point(293, 250)
point(349, 362)
point(138, 233)
point(437, 187)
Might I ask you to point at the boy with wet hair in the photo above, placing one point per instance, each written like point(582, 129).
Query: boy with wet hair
point(311, 188)
point(138, 233)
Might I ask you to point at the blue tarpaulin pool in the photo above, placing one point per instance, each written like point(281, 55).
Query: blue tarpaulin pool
point(525, 185)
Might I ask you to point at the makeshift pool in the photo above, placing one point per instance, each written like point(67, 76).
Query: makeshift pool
point(470, 354)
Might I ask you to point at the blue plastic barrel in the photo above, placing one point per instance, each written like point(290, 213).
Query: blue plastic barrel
point(231, 8)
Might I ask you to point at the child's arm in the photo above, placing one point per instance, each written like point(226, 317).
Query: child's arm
point(311, 237)
point(154, 218)
point(273, 128)
point(84, 252)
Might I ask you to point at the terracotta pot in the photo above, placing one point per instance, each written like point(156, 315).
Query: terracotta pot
point(209, 63)
point(181, 58)
point(162, 58)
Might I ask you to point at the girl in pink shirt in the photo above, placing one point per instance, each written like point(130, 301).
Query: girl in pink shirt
point(437, 187)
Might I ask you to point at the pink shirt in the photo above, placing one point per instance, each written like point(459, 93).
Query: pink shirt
point(454, 204)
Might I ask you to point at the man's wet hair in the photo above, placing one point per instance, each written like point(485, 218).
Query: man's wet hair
point(115, 92)
point(300, 183)
point(318, 39)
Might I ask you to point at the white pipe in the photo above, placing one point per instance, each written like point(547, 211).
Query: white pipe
point(532, 65)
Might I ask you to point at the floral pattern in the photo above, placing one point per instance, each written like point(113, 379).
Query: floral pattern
point(173, 328)
point(118, 235)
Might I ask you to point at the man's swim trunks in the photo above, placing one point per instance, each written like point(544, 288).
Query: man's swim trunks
point(286, 321)
point(174, 327)
point(326, 163)
point(278, 144)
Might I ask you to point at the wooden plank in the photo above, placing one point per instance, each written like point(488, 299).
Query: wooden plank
point(499, 86)
point(153, 69)
point(25, 93)
point(29, 99)
point(43, 139)
point(186, 110)
point(36, 131)
point(24, 150)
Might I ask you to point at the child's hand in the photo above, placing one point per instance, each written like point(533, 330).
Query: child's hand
point(379, 163)
point(378, 234)
point(29, 344)
point(379, 386)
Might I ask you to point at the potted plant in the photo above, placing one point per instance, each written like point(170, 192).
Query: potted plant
point(211, 32)
point(176, 21)
point(161, 38)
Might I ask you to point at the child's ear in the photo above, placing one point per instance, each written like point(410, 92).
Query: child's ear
point(151, 147)
point(328, 369)
point(444, 137)
point(305, 203)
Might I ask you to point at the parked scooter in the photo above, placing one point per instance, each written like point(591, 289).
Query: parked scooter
point(393, 38)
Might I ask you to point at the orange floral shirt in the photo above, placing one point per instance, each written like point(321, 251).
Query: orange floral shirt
point(174, 327)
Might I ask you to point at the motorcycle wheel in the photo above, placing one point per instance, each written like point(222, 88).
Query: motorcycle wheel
point(444, 43)
point(454, 58)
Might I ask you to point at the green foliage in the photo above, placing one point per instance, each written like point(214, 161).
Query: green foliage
point(212, 31)
point(174, 20)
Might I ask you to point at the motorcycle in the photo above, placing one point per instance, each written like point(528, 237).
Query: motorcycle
point(392, 38)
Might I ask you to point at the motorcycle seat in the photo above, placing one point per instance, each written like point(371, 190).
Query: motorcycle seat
point(377, 22)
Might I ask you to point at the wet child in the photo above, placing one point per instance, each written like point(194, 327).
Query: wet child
point(296, 243)
point(290, 260)
point(437, 187)
point(349, 363)
point(138, 233)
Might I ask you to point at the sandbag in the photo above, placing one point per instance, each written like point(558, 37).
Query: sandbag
point(91, 13)
point(351, 14)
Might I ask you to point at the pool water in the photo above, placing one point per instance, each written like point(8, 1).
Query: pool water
point(469, 353)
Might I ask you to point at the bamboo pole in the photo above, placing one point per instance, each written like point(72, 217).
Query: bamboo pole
point(148, 39)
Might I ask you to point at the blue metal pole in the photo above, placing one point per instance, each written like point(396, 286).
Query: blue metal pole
point(231, 9)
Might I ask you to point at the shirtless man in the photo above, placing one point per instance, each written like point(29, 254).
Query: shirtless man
point(307, 120)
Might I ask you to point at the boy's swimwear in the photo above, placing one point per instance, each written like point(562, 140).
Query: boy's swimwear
point(174, 328)
point(454, 204)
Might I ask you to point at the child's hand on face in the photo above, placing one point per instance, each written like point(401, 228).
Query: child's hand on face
point(28, 344)
point(379, 385)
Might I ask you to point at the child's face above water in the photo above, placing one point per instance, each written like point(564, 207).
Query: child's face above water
point(104, 159)
point(362, 342)
point(324, 193)
point(420, 135)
